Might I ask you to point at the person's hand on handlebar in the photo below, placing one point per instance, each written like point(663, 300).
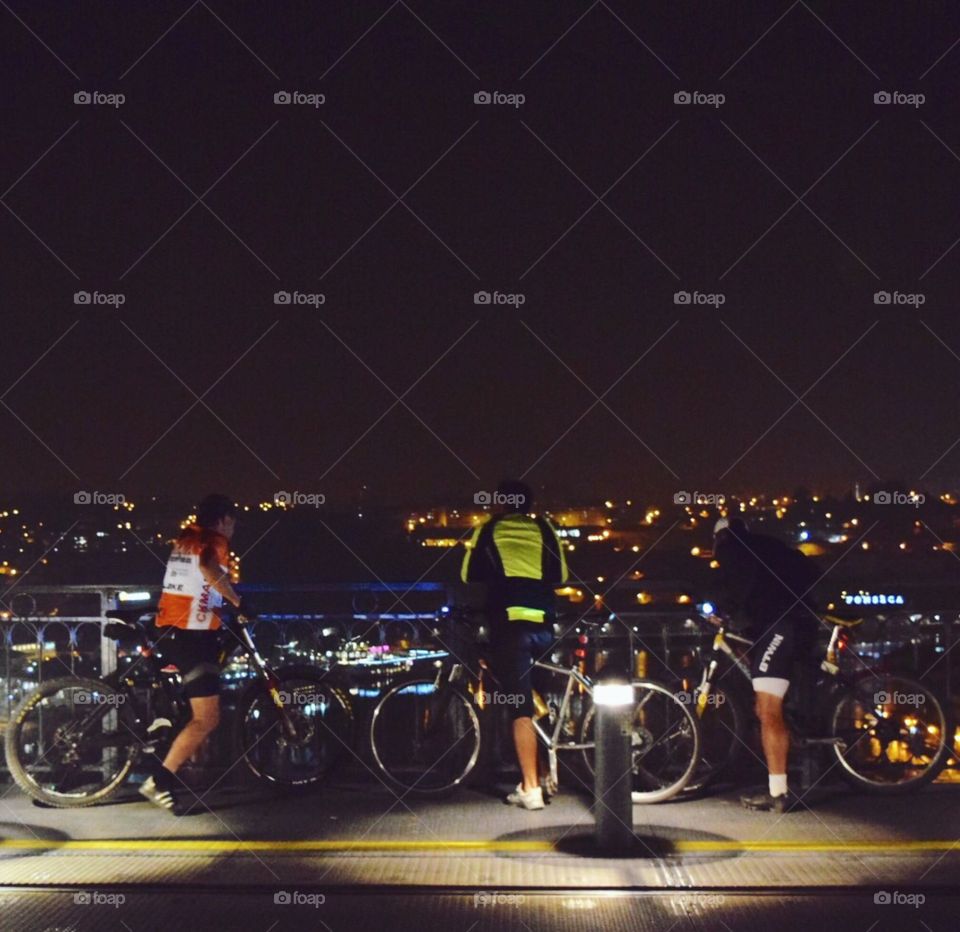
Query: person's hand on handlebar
point(245, 609)
point(708, 613)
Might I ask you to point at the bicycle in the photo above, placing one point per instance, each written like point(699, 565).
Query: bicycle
point(426, 731)
point(74, 741)
point(888, 733)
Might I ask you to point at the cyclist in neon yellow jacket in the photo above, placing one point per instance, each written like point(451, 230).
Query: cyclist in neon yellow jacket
point(520, 559)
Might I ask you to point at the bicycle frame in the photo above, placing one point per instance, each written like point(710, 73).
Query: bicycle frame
point(720, 645)
point(573, 676)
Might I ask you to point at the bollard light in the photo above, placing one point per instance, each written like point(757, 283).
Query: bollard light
point(613, 693)
point(613, 807)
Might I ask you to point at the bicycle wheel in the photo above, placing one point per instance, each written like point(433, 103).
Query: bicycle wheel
point(68, 744)
point(665, 742)
point(724, 723)
point(896, 735)
point(425, 738)
point(322, 720)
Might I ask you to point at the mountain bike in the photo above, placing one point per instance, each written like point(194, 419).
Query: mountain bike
point(427, 730)
point(74, 741)
point(887, 733)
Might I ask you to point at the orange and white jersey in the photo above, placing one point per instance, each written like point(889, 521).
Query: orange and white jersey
point(188, 599)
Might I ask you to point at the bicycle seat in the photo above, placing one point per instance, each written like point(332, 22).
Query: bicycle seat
point(844, 619)
point(127, 615)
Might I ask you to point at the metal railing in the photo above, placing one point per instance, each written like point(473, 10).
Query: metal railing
point(379, 629)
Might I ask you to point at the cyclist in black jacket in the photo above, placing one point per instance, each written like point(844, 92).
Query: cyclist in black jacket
point(767, 584)
point(520, 558)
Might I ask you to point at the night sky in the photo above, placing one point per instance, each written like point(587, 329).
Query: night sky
point(493, 198)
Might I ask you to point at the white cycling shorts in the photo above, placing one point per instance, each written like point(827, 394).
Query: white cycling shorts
point(773, 685)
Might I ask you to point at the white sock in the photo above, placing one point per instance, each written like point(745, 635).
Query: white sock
point(778, 784)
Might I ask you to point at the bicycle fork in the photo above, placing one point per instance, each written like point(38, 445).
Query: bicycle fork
point(272, 684)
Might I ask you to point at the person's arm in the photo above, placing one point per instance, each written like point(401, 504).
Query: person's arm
point(476, 564)
point(737, 570)
point(557, 573)
point(218, 578)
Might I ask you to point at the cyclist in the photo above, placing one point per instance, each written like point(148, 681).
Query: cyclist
point(767, 583)
point(519, 557)
point(195, 586)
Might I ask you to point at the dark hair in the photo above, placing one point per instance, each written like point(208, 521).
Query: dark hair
point(738, 526)
point(213, 508)
point(520, 498)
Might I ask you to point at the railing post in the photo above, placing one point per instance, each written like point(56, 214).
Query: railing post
point(108, 647)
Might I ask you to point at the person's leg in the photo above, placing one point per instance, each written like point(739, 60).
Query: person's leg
point(205, 718)
point(525, 741)
point(775, 739)
point(771, 668)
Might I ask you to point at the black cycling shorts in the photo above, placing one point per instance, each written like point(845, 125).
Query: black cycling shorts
point(779, 648)
point(516, 645)
point(196, 654)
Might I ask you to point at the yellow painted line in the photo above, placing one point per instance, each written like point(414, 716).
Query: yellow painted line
point(346, 845)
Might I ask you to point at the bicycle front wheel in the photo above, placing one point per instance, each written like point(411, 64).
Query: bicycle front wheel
point(319, 733)
point(665, 742)
point(895, 735)
point(68, 744)
point(425, 736)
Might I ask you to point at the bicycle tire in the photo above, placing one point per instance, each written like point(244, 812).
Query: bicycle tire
point(16, 756)
point(724, 728)
point(320, 709)
point(675, 771)
point(906, 732)
point(410, 736)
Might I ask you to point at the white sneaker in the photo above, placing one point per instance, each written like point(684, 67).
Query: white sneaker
point(526, 799)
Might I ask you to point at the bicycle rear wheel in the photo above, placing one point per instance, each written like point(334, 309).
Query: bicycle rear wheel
point(425, 737)
point(665, 742)
point(68, 745)
point(724, 724)
point(896, 735)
